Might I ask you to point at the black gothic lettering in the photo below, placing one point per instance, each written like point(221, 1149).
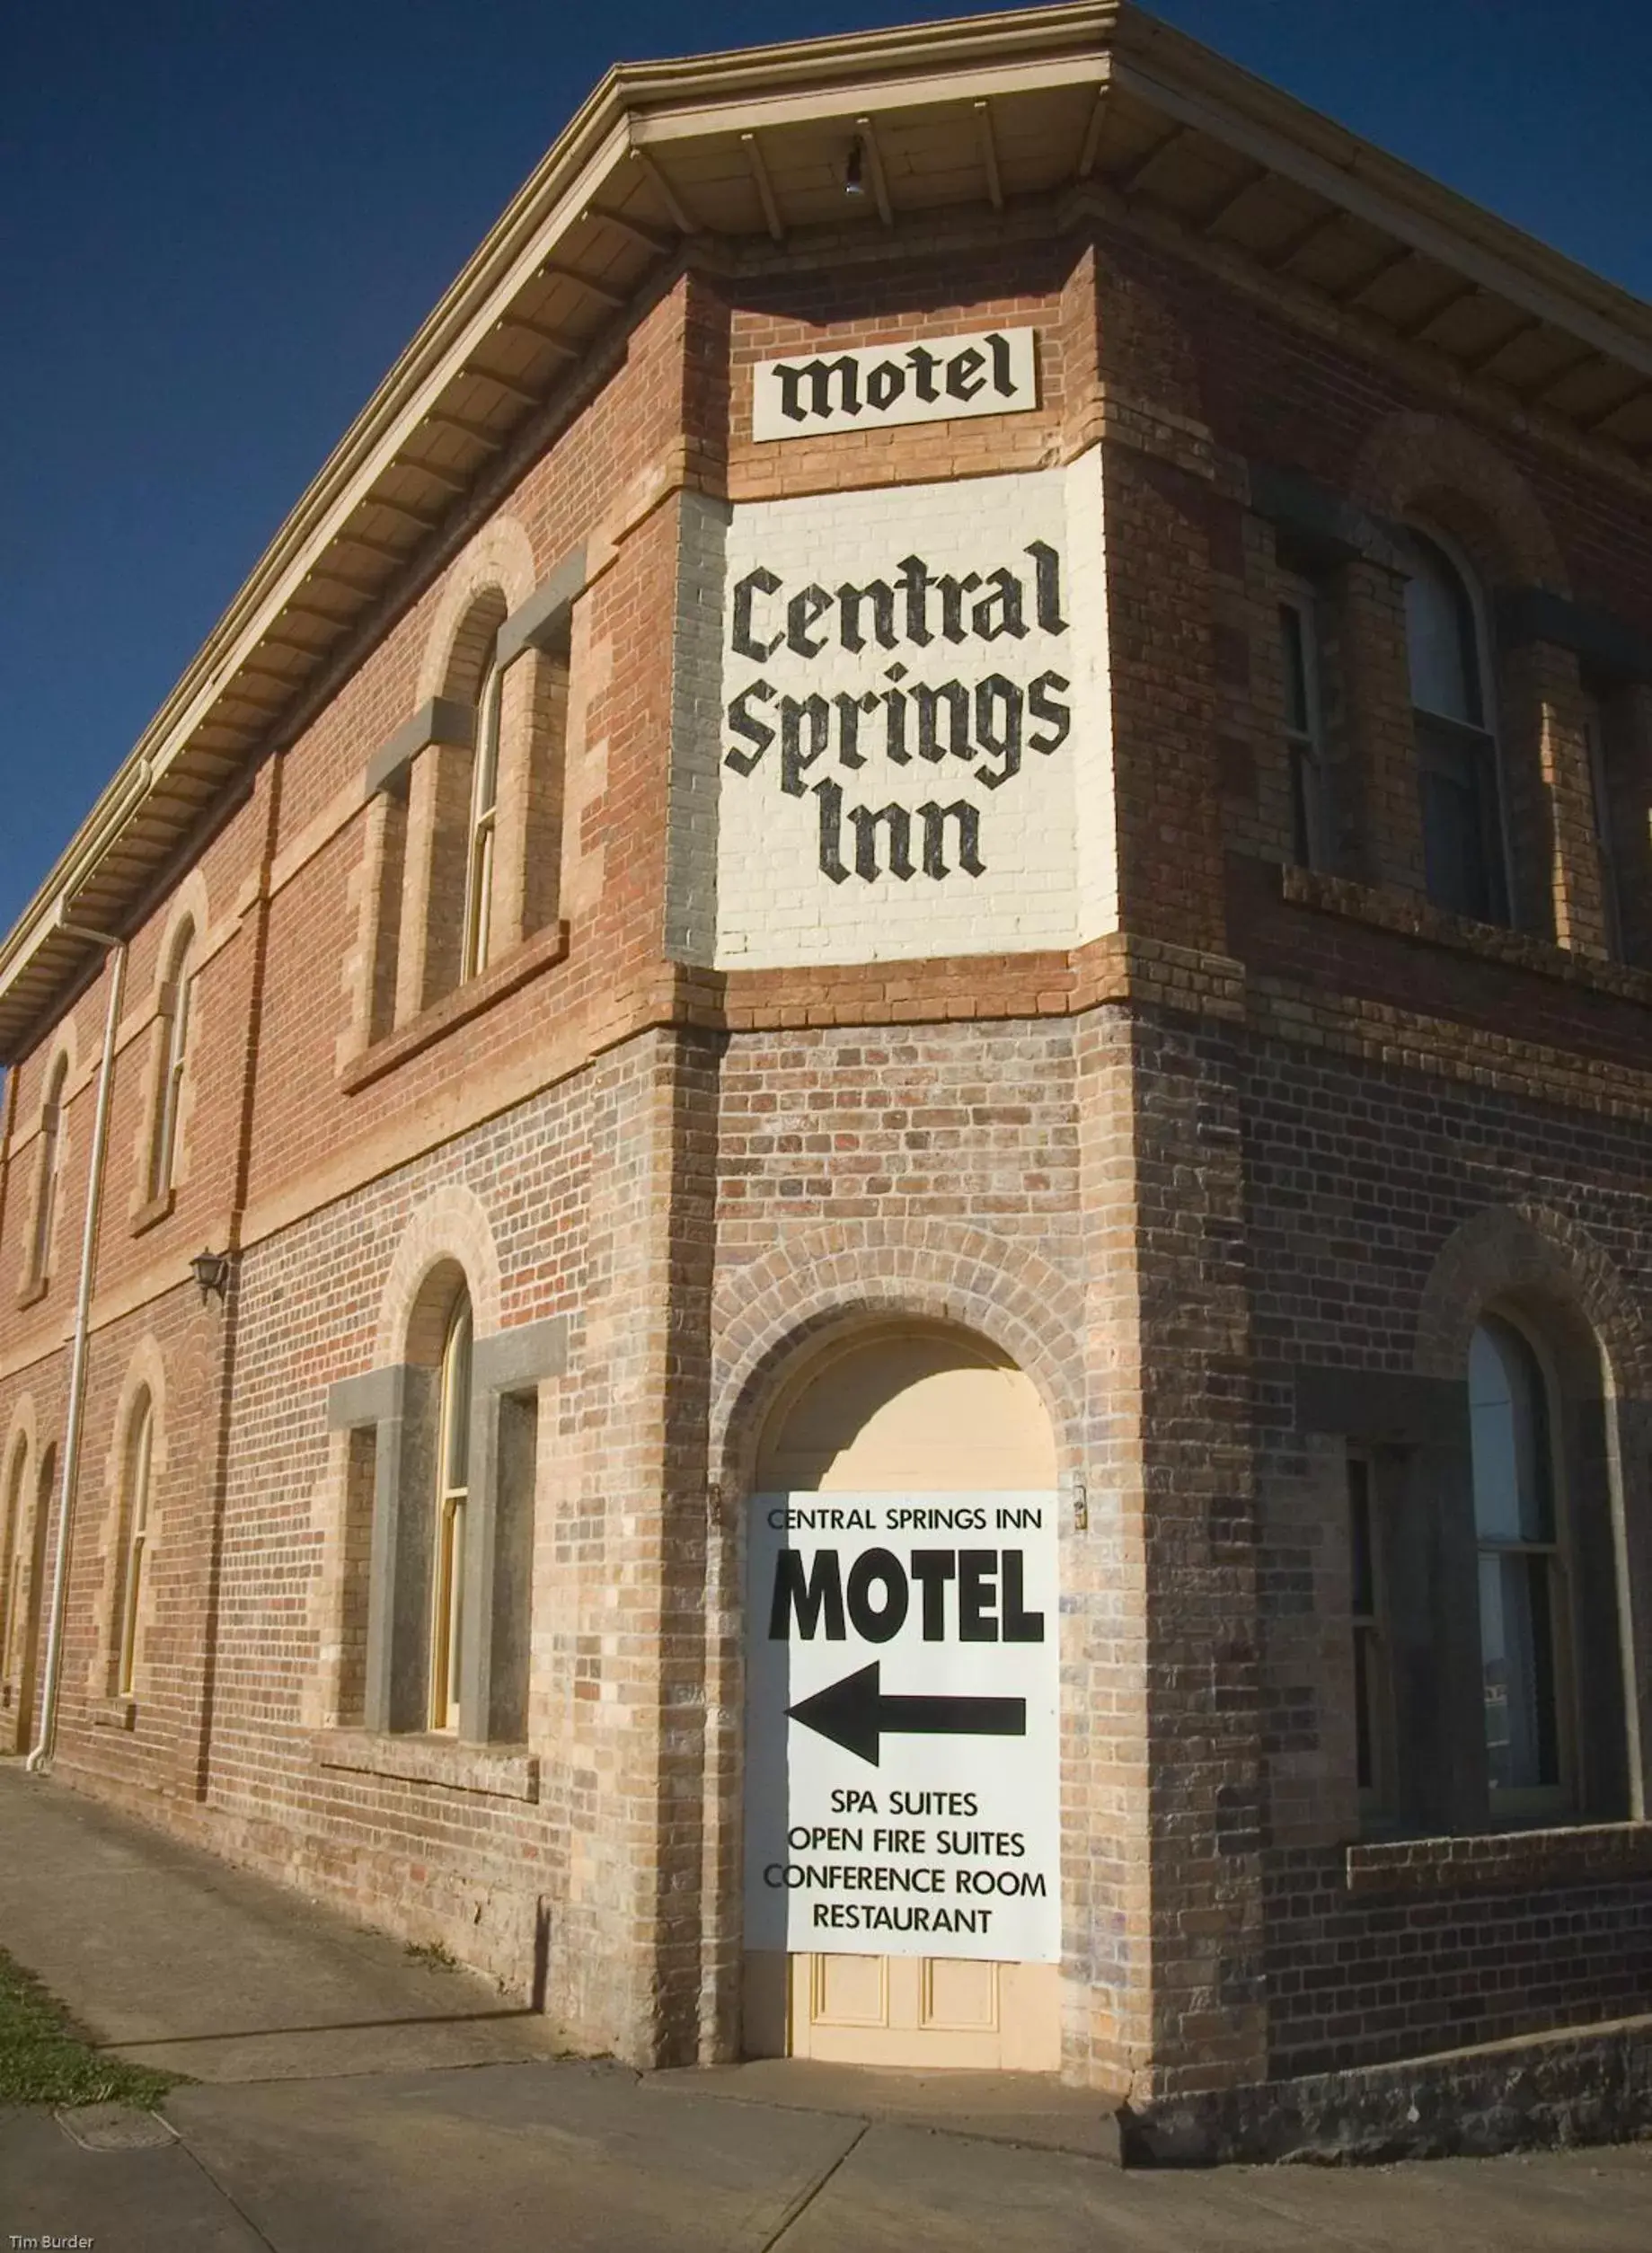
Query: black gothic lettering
point(881, 597)
point(818, 374)
point(998, 727)
point(885, 383)
point(934, 819)
point(849, 710)
point(895, 736)
point(796, 714)
point(865, 823)
point(1046, 567)
point(831, 832)
point(923, 366)
point(1000, 611)
point(952, 594)
point(801, 613)
point(1003, 383)
point(954, 697)
point(757, 732)
point(915, 579)
point(1042, 705)
point(745, 643)
point(964, 377)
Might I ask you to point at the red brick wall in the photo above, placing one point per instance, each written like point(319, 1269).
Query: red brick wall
point(1161, 1172)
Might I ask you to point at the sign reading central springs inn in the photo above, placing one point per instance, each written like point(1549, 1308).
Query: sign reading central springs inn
point(913, 745)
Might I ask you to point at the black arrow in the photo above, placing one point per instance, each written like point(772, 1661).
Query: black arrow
point(854, 1713)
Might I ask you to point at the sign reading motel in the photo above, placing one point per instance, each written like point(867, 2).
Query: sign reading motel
point(877, 385)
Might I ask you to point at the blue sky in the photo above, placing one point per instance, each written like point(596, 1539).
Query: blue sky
point(224, 218)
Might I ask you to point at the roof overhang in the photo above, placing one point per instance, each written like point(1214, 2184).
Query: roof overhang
point(986, 112)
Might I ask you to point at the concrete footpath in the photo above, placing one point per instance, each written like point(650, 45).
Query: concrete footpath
point(348, 2097)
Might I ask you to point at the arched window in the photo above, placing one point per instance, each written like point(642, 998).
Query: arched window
point(452, 1497)
point(483, 825)
point(140, 1451)
point(1522, 1607)
point(1456, 746)
point(11, 1557)
point(175, 1005)
point(51, 1170)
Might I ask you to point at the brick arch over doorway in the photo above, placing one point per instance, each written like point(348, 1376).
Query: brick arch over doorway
point(815, 1284)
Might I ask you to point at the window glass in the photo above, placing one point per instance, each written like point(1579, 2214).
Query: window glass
point(1464, 859)
point(484, 820)
point(165, 1159)
point(137, 1535)
point(12, 1557)
point(1299, 670)
point(51, 1155)
point(1519, 1562)
point(1295, 657)
point(1440, 638)
point(1370, 1681)
point(1514, 1500)
point(453, 1495)
point(456, 1406)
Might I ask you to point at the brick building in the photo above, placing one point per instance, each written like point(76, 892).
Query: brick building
point(945, 805)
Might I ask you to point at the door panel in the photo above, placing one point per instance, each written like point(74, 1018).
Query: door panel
point(937, 2012)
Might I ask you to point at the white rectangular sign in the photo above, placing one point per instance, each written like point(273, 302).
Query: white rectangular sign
point(874, 385)
point(902, 1767)
point(913, 756)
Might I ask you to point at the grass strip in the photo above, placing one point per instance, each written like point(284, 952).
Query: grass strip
point(46, 2059)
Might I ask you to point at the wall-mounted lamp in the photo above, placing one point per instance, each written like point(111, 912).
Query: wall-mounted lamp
point(854, 168)
point(211, 1271)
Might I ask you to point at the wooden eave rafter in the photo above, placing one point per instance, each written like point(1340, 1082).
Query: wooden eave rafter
point(1026, 104)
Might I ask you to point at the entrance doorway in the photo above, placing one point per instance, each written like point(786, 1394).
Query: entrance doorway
point(909, 1410)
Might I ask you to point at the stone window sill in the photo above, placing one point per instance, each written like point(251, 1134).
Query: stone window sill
point(35, 1291)
point(152, 1210)
point(433, 1024)
point(114, 1713)
point(494, 1772)
point(1413, 918)
point(1502, 1861)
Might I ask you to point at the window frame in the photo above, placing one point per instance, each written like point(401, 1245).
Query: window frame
point(482, 834)
point(449, 1523)
point(1535, 1804)
point(135, 1545)
point(1437, 735)
point(174, 1063)
point(1305, 746)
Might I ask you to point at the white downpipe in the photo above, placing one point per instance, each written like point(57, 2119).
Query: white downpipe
point(47, 1725)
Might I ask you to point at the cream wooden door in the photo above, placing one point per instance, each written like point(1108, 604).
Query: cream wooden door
point(906, 1411)
point(937, 2010)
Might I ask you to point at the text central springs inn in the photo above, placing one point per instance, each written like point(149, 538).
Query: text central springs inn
point(941, 817)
